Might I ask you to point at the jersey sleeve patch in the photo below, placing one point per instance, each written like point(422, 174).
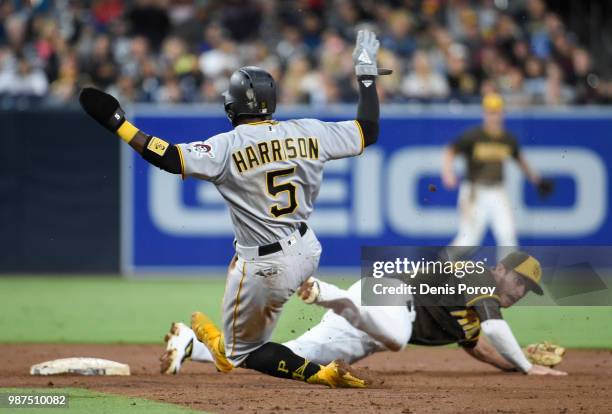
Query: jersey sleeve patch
point(158, 146)
point(201, 149)
point(206, 160)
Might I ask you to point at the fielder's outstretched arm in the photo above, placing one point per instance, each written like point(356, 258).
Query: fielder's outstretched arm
point(484, 352)
point(105, 109)
point(500, 336)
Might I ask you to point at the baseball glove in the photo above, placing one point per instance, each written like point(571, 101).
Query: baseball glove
point(545, 188)
point(545, 353)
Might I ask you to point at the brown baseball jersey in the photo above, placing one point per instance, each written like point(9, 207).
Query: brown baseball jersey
point(485, 154)
point(454, 318)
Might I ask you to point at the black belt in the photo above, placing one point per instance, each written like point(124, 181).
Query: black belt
point(276, 246)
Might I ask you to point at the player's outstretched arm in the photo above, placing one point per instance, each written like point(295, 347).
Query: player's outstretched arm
point(106, 110)
point(500, 335)
point(368, 109)
point(484, 352)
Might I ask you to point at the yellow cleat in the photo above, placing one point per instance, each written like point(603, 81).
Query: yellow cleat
point(209, 334)
point(339, 374)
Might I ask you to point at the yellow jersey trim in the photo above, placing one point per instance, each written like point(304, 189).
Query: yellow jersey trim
point(235, 316)
point(180, 153)
point(362, 137)
point(481, 297)
point(267, 121)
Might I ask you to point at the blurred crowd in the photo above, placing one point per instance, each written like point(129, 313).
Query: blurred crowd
point(175, 51)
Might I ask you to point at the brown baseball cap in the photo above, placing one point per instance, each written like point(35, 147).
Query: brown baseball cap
point(527, 266)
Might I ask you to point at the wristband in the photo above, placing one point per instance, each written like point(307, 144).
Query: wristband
point(127, 131)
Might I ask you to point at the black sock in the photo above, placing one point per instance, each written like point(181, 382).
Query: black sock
point(279, 361)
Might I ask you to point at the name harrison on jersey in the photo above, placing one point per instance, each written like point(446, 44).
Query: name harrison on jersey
point(275, 150)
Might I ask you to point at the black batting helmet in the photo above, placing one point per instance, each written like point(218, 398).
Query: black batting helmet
point(252, 92)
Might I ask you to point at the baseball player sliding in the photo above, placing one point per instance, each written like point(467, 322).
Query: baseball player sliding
point(351, 331)
point(269, 173)
point(482, 197)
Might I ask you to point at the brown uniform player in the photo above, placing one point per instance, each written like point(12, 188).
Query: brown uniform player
point(483, 200)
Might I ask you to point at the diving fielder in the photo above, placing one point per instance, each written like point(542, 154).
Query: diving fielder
point(483, 199)
point(352, 332)
point(269, 173)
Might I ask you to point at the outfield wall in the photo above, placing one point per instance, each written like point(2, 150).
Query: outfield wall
point(380, 198)
point(59, 193)
point(60, 190)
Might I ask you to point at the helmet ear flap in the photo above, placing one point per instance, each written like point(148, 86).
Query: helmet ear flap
point(231, 115)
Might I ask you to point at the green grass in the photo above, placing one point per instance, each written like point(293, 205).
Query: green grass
point(89, 402)
point(116, 310)
point(570, 326)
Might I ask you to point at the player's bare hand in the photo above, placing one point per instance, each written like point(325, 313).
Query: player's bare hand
point(309, 290)
point(542, 370)
point(450, 181)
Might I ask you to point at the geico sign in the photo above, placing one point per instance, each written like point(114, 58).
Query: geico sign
point(364, 195)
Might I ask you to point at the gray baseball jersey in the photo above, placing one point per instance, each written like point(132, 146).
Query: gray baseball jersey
point(270, 172)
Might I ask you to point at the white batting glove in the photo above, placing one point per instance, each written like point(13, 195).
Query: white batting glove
point(364, 55)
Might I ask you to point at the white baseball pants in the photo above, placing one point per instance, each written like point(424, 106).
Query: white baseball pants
point(350, 337)
point(482, 205)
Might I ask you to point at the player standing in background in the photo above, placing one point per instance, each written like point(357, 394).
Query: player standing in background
point(483, 200)
point(269, 173)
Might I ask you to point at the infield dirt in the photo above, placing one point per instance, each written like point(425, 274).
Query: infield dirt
point(417, 380)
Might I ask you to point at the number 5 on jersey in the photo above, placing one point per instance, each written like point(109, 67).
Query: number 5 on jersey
point(275, 188)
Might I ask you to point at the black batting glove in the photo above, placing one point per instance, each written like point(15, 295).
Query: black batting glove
point(102, 107)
